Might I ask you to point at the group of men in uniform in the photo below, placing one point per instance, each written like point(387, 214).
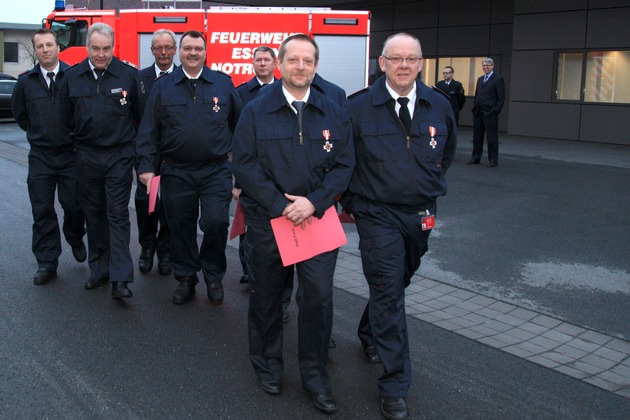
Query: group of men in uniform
point(297, 150)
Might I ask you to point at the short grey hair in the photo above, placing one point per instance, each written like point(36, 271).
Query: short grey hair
point(161, 32)
point(101, 28)
point(488, 60)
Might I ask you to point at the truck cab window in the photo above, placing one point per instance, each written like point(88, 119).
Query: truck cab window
point(71, 33)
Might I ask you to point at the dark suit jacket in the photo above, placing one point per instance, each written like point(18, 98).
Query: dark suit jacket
point(489, 96)
point(455, 91)
point(147, 75)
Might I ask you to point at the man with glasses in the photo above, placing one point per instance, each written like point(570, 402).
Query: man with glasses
point(489, 99)
point(405, 137)
point(153, 239)
point(453, 89)
point(190, 118)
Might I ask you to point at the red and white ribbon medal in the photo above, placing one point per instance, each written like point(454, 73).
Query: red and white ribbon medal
point(216, 107)
point(432, 131)
point(123, 101)
point(328, 145)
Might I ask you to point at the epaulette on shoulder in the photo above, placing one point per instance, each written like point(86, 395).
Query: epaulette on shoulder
point(130, 64)
point(358, 92)
point(437, 89)
point(242, 84)
point(223, 73)
point(25, 72)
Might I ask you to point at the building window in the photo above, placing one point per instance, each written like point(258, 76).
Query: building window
point(593, 76)
point(467, 71)
point(10, 52)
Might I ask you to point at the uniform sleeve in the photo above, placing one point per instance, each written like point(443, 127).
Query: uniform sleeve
point(461, 97)
point(500, 94)
point(148, 134)
point(140, 99)
point(336, 180)
point(249, 174)
point(237, 108)
point(451, 143)
point(18, 105)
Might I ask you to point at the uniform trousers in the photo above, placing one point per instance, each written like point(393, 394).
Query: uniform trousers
point(489, 126)
point(104, 179)
point(149, 235)
point(50, 170)
point(391, 242)
point(313, 297)
point(186, 189)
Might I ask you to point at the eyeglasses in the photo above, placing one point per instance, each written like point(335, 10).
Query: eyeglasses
point(167, 48)
point(447, 72)
point(397, 61)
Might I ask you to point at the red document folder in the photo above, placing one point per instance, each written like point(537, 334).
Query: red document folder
point(238, 224)
point(321, 235)
point(153, 193)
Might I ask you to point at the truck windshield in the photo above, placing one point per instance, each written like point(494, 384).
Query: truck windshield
point(71, 32)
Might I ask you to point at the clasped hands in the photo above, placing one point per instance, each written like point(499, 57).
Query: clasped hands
point(299, 211)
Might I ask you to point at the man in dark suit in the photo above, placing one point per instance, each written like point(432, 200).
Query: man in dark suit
point(489, 99)
point(453, 89)
point(153, 239)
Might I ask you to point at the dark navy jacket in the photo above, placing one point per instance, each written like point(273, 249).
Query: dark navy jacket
point(249, 90)
point(188, 130)
point(147, 75)
point(270, 161)
point(38, 112)
point(405, 170)
point(330, 90)
point(102, 113)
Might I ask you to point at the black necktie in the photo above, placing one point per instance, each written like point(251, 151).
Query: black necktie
point(162, 73)
point(403, 113)
point(99, 73)
point(51, 86)
point(299, 105)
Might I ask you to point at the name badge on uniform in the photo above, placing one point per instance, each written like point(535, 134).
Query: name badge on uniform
point(216, 107)
point(432, 131)
point(427, 222)
point(328, 145)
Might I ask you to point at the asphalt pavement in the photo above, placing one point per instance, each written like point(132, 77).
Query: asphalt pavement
point(537, 245)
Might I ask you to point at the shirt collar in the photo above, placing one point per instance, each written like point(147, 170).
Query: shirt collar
point(192, 77)
point(45, 72)
point(158, 70)
point(290, 97)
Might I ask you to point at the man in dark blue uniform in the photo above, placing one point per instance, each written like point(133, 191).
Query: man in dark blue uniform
point(190, 119)
point(405, 139)
point(51, 161)
point(153, 239)
point(453, 89)
point(103, 100)
point(293, 155)
point(264, 65)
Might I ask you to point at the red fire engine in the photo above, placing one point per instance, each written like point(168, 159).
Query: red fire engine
point(231, 33)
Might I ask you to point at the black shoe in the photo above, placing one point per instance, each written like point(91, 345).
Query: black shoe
point(394, 408)
point(95, 283)
point(370, 354)
point(79, 252)
point(120, 290)
point(215, 293)
point(185, 291)
point(324, 402)
point(332, 344)
point(285, 315)
point(164, 266)
point(473, 161)
point(43, 276)
point(271, 386)
point(491, 165)
point(145, 262)
point(244, 279)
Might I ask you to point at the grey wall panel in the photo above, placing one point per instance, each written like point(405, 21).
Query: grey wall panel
point(532, 76)
point(429, 40)
point(377, 39)
point(598, 4)
point(608, 28)
point(501, 38)
point(465, 12)
point(541, 6)
point(549, 30)
point(559, 121)
point(463, 40)
point(416, 14)
point(605, 124)
point(502, 11)
point(381, 17)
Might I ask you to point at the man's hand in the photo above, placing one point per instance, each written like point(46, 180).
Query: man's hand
point(236, 193)
point(299, 211)
point(146, 179)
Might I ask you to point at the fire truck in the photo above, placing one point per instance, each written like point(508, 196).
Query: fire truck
point(232, 33)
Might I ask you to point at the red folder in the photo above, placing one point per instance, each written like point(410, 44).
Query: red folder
point(321, 235)
point(238, 224)
point(153, 193)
